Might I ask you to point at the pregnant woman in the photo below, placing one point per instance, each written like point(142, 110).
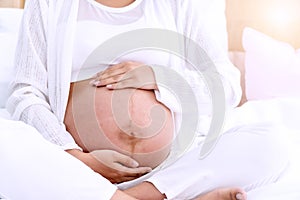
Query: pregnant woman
point(124, 133)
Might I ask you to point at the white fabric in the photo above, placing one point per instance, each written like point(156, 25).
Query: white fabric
point(283, 111)
point(41, 85)
point(9, 22)
point(30, 102)
point(234, 162)
point(33, 168)
point(4, 114)
point(272, 60)
point(277, 191)
point(95, 18)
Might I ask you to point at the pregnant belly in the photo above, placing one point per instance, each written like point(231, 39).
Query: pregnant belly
point(129, 121)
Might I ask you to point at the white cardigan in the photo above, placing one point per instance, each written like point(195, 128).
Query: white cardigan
point(44, 59)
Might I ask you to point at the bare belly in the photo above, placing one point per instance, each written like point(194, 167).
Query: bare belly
point(129, 121)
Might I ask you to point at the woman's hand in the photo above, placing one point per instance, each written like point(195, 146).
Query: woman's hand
point(112, 165)
point(126, 75)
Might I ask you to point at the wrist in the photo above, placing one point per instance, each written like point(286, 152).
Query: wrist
point(86, 158)
point(75, 152)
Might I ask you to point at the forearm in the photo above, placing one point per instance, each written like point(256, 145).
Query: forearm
point(122, 195)
point(49, 126)
point(207, 27)
point(36, 112)
point(145, 190)
point(231, 84)
point(30, 96)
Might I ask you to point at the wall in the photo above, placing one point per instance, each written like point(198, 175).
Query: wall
point(277, 18)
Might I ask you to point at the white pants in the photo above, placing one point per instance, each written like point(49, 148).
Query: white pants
point(247, 157)
point(32, 168)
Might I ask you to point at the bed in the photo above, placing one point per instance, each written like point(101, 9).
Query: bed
point(259, 46)
point(264, 45)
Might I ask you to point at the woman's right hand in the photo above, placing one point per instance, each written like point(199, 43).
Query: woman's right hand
point(129, 74)
point(114, 166)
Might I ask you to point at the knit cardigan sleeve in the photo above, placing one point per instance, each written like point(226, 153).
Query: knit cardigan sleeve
point(29, 100)
point(204, 23)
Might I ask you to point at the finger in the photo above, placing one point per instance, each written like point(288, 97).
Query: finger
point(124, 179)
point(113, 71)
point(133, 172)
point(125, 160)
point(122, 84)
point(120, 68)
point(131, 83)
point(107, 70)
point(108, 81)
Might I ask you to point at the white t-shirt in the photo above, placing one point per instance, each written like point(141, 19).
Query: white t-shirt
point(97, 24)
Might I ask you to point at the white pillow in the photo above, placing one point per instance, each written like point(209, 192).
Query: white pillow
point(10, 19)
point(272, 68)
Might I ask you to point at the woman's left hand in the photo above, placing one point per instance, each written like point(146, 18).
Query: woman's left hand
point(126, 75)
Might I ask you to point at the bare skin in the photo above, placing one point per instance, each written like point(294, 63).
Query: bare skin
point(147, 191)
point(141, 129)
point(121, 195)
point(115, 4)
point(218, 194)
point(224, 194)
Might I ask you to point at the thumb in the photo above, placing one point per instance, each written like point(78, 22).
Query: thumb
point(125, 160)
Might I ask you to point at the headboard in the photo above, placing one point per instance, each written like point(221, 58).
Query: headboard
point(279, 19)
point(12, 3)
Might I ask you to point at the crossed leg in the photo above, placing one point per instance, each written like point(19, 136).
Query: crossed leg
point(146, 191)
point(224, 194)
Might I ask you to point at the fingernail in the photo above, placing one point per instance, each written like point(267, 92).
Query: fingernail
point(109, 86)
point(93, 82)
point(135, 164)
point(239, 196)
point(96, 83)
point(149, 170)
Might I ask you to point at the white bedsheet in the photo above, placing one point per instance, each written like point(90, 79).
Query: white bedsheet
point(284, 111)
point(4, 114)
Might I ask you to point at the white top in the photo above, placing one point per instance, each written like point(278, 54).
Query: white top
point(44, 57)
point(98, 24)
